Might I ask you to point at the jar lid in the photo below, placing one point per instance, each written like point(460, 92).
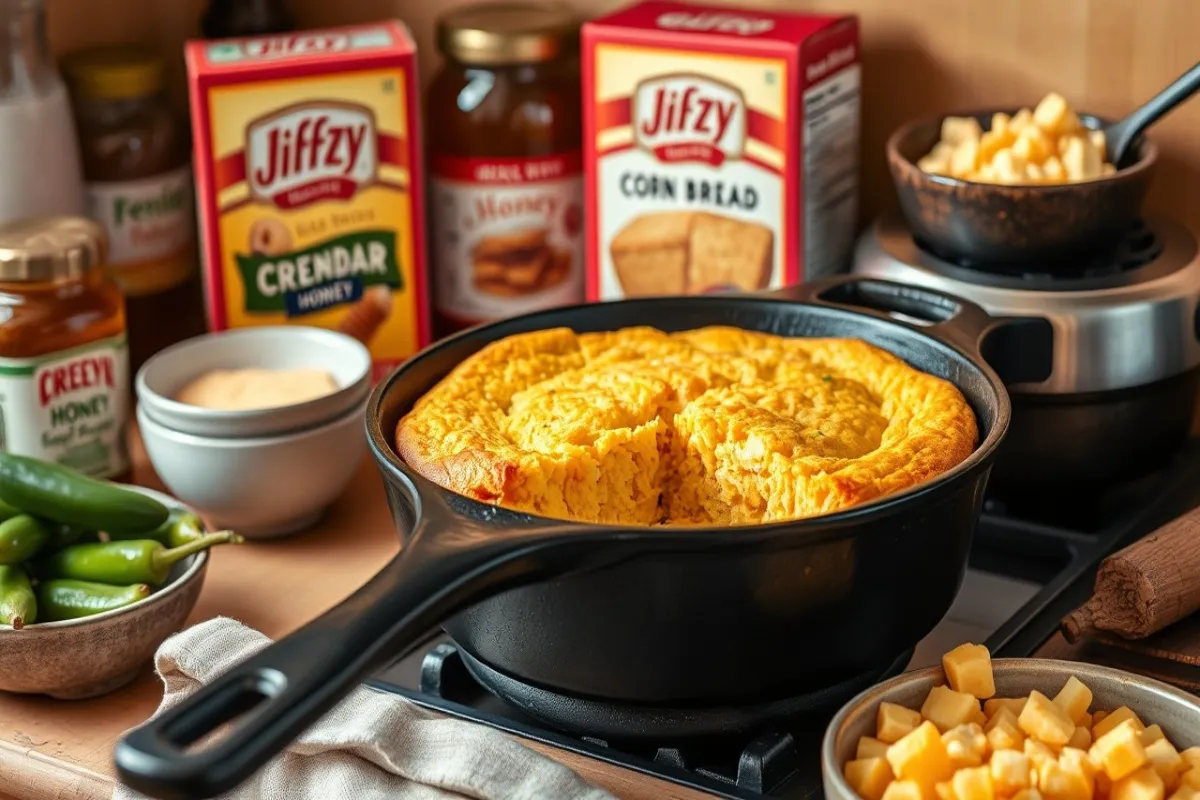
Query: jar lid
point(508, 33)
point(119, 72)
point(50, 248)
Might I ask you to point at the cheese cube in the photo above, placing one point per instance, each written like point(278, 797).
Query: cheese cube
point(1081, 739)
point(1039, 753)
point(1103, 785)
point(1010, 771)
point(1021, 120)
point(1191, 778)
point(966, 745)
point(1099, 142)
point(869, 777)
point(921, 756)
point(1032, 145)
point(1074, 698)
point(1064, 779)
point(1005, 736)
point(991, 144)
point(1003, 715)
point(1014, 704)
point(965, 158)
point(870, 747)
point(947, 708)
point(979, 718)
point(1027, 794)
point(944, 790)
point(1151, 734)
point(893, 722)
point(1191, 757)
point(934, 165)
point(1107, 169)
point(1141, 784)
point(1114, 718)
point(903, 790)
point(1120, 751)
point(1034, 174)
point(1052, 168)
point(973, 783)
point(1079, 159)
point(1045, 721)
point(1166, 761)
point(956, 130)
point(1185, 793)
point(1051, 112)
point(1010, 168)
point(1098, 716)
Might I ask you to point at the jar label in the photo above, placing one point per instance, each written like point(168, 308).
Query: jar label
point(151, 229)
point(508, 234)
point(70, 407)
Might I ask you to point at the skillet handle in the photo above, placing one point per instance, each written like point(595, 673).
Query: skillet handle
point(290, 684)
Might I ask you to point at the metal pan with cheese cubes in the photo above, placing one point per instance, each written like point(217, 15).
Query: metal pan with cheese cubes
point(1075, 731)
point(1019, 223)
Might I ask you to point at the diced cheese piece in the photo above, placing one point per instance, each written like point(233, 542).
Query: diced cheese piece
point(1010, 771)
point(869, 777)
point(947, 708)
point(1033, 145)
point(1191, 778)
point(986, 174)
point(1000, 123)
point(1028, 794)
point(1045, 721)
point(1021, 120)
point(1010, 168)
point(1191, 757)
point(1039, 753)
point(933, 165)
point(921, 756)
point(1080, 159)
point(1119, 752)
point(1152, 734)
point(944, 790)
point(966, 745)
point(1142, 784)
point(1113, 719)
point(956, 130)
point(992, 143)
point(1065, 779)
point(1052, 168)
point(973, 783)
point(1166, 761)
point(1051, 112)
point(1185, 793)
point(1098, 716)
point(1099, 142)
point(1034, 174)
point(1013, 704)
point(1081, 739)
point(1107, 169)
point(1005, 736)
point(965, 159)
point(903, 790)
point(1103, 784)
point(1003, 715)
point(1074, 698)
point(870, 747)
point(893, 722)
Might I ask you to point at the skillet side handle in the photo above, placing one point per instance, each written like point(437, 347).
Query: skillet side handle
point(290, 684)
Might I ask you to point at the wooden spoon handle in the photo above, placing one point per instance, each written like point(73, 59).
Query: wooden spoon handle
point(1120, 136)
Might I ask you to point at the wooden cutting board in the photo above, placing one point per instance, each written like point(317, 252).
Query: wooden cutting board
point(62, 750)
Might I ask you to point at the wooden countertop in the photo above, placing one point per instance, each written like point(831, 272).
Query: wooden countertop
point(61, 750)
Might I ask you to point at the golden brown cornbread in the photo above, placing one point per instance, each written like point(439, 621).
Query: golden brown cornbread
point(710, 426)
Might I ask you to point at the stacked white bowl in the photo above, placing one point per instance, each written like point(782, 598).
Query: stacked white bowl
point(266, 472)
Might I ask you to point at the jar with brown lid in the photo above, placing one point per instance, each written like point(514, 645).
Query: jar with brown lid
point(64, 382)
point(506, 172)
point(138, 181)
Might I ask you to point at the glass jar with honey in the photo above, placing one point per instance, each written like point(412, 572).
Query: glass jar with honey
point(64, 363)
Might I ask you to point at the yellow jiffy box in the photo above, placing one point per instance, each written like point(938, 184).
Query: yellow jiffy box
point(308, 184)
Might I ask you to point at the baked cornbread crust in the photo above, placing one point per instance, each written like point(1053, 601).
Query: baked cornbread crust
point(711, 426)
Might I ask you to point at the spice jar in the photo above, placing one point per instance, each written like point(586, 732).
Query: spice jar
point(506, 180)
point(64, 384)
point(138, 180)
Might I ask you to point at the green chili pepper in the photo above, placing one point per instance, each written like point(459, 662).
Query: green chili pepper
point(181, 527)
point(18, 606)
point(21, 538)
point(66, 599)
point(7, 511)
point(60, 494)
point(119, 563)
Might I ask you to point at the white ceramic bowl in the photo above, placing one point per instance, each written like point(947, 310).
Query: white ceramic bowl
point(1176, 711)
point(261, 486)
point(278, 347)
point(79, 658)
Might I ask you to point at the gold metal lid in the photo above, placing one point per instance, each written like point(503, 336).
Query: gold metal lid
point(118, 72)
point(50, 248)
point(508, 33)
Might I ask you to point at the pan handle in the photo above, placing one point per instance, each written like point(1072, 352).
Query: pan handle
point(291, 683)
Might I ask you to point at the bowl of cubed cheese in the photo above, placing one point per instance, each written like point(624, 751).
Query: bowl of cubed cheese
point(1014, 729)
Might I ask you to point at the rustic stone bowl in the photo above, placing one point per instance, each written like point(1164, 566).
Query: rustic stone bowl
point(87, 657)
point(1176, 711)
point(985, 224)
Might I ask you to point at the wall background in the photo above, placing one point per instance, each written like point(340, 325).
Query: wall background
point(920, 57)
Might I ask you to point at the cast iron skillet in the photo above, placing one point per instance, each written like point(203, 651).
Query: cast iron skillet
point(670, 615)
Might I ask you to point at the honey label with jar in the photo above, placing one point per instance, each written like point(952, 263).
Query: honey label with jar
point(721, 148)
point(309, 184)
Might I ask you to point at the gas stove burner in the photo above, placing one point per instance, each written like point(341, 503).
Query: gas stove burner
point(608, 721)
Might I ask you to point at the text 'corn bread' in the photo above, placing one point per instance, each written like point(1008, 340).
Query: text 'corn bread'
point(710, 426)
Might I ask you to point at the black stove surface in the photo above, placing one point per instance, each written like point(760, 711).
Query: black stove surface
point(1030, 564)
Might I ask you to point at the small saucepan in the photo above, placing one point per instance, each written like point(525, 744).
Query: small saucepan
point(672, 617)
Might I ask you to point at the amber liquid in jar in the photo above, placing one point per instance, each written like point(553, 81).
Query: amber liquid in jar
point(504, 120)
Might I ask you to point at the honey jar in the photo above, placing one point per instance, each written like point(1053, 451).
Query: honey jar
point(64, 363)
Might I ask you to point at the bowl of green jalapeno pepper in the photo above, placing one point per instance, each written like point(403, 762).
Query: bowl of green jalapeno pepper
point(93, 577)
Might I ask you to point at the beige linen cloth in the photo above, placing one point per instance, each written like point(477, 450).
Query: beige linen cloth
point(371, 745)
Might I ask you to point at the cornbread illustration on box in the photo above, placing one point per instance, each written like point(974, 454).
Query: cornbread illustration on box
point(309, 184)
point(720, 147)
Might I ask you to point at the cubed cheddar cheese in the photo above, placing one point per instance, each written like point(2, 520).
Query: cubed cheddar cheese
point(1141, 784)
point(1074, 698)
point(1014, 704)
point(948, 709)
point(966, 745)
point(893, 722)
point(965, 158)
point(1032, 145)
point(1051, 113)
point(1191, 778)
point(1052, 168)
point(1021, 120)
point(1151, 734)
point(1003, 716)
point(956, 130)
point(1039, 753)
point(921, 756)
point(1080, 160)
point(1028, 794)
point(1045, 721)
point(870, 747)
point(1062, 779)
point(903, 790)
point(869, 777)
point(1185, 793)
point(1119, 752)
point(1010, 771)
point(1114, 718)
point(943, 790)
point(973, 783)
point(1098, 717)
point(1005, 735)
point(1191, 757)
point(1081, 739)
point(1166, 761)
point(1099, 143)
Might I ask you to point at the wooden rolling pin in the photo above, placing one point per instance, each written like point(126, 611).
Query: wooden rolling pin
point(1142, 589)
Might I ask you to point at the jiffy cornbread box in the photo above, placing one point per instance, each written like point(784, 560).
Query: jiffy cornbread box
point(309, 184)
point(720, 146)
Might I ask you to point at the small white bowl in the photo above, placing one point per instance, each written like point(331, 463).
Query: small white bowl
point(161, 378)
point(263, 486)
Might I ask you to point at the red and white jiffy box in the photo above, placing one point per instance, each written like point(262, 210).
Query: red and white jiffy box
point(721, 148)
